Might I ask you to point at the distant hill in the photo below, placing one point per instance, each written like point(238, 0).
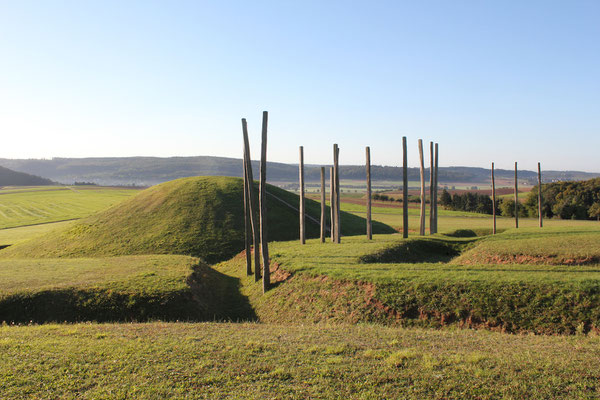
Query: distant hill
point(9, 177)
point(148, 171)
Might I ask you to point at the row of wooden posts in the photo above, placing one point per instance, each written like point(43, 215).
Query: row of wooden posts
point(541, 224)
point(335, 226)
point(255, 217)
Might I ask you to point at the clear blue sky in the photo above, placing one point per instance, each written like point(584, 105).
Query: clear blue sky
point(499, 81)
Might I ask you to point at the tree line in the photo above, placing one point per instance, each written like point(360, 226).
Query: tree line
point(565, 200)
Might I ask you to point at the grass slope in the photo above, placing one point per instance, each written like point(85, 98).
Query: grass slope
point(127, 288)
point(200, 216)
point(38, 205)
point(260, 361)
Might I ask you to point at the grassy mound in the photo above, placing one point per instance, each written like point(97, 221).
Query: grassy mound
point(127, 288)
point(200, 216)
point(548, 246)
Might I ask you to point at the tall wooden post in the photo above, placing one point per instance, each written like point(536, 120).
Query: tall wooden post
point(332, 203)
point(431, 182)
point(404, 188)
point(493, 200)
point(263, 205)
point(247, 228)
point(435, 191)
point(323, 218)
point(516, 198)
point(540, 194)
point(337, 193)
point(253, 205)
point(422, 219)
point(302, 213)
point(368, 167)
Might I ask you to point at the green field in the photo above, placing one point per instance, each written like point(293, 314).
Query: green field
point(37, 205)
point(273, 361)
point(341, 321)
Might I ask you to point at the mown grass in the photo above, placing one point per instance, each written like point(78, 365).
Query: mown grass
point(450, 223)
point(200, 216)
point(257, 361)
point(550, 245)
point(36, 205)
point(129, 288)
point(10, 236)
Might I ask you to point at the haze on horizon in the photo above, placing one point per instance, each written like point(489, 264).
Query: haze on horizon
point(489, 81)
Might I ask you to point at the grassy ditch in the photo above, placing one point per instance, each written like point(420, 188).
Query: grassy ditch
point(130, 288)
point(333, 282)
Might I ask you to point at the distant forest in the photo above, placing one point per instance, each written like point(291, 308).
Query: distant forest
point(152, 170)
point(565, 200)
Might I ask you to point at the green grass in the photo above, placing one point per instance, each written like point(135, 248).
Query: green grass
point(463, 220)
point(100, 289)
point(550, 245)
point(201, 216)
point(411, 283)
point(10, 236)
point(257, 361)
point(37, 205)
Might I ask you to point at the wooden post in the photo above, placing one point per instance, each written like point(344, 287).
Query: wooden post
point(336, 169)
point(253, 205)
point(302, 213)
point(247, 228)
point(332, 203)
point(431, 204)
point(540, 194)
point(516, 198)
point(323, 218)
point(263, 205)
point(435, 191)
point(368, 167)
point(404, 189)
point(493, 200)
point(422, 226)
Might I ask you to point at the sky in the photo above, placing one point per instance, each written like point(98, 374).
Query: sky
point(500, 81)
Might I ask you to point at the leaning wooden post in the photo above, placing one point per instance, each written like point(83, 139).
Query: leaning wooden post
point(435, 191)
point(323, 218)
point(302, 213)
point(247, 228)
point(516, 198)
point(404, 189)
point(540, 194)
point(368, 167)
point(263, 205)
point(431, 181)
point(422, 227)
point(493, 200)
point(331, 203)
point(336, 168)
point(253, 205)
